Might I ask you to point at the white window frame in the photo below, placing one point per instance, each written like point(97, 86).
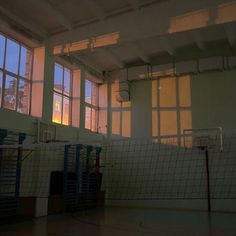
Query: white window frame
point(177, 109)
point(63, 95)
point(92, 106)
point(17, 76)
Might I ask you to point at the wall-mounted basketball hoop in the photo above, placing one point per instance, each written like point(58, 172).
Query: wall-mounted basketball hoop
point(205, 139)
point(209, 138)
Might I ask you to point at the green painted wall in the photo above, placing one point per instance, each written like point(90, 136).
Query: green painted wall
point(141, 109)
point(213, 100)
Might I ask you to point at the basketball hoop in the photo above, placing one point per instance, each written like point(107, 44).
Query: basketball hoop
point(210, 138)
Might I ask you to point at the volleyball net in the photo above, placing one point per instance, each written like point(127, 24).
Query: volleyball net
point(122, 169)
point(151, 170)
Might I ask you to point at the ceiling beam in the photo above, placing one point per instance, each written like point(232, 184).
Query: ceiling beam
point(115, 59)
point(116, 24)
point(167, 19)
point(96, 8)
point(64, 21)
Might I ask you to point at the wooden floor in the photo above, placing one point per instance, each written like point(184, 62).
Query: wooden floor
point(127, 222)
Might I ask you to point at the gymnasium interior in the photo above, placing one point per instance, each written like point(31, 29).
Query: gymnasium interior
point(117, 117)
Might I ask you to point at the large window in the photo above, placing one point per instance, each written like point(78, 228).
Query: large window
point(171, 108)
point(15, 75)
point(91, 105)
point(62, 95)
point(66, 96)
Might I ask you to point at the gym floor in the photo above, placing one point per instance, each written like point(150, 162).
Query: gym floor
point(127, 221)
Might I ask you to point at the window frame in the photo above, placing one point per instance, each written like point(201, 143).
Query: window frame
point(92, 106)
point(17, 76)
point(177, 108)
point(63, 95)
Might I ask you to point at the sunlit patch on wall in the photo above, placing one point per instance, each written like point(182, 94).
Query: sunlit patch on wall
point(95, 42)
point(189, 21)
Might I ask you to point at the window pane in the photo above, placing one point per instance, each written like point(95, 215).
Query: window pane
point(168, 125)
point(1, 76)
point(66, 111)
point(88, 91)
point(167, 92)
point(126, 124)
point(116, 121)
point(94, 120)
point(25, 62)
point(10, 93)
point(23, 97)
point(12, 56)
point(87, 118)
point(2, 50)
point(154, 123)
point(67, 82)
point(57, 108)
point(58, 78)
point(154, 93)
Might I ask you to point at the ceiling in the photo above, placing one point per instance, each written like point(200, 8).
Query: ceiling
point(108, 35)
